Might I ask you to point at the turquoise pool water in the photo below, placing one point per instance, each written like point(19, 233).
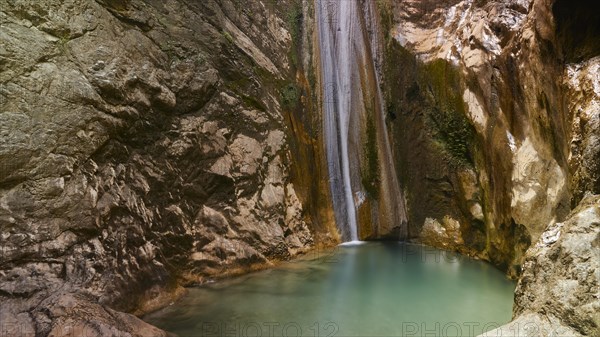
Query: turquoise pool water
point(371, 289)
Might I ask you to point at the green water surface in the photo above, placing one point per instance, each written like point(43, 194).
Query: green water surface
point(371, 289)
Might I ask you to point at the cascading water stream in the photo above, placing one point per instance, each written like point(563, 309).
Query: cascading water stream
point(336, 105)
point(350, 84)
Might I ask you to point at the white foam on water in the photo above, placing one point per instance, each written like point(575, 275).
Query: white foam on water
point(353, 243)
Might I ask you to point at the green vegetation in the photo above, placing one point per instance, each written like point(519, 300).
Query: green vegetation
point(253, 103)
point(312, 79)
point(433, 90)
point(370, 175)
point(385, 8)
point(62, 42)
point(446, 115)
point(294, 22)
point(290, 96)
point(228, 37)
point(453, 132)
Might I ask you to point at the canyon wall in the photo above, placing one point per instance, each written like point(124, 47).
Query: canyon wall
point(495, 112)
point(145, 145)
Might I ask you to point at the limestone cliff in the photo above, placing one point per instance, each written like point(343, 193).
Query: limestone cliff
point(145, 145)
point(495, 110)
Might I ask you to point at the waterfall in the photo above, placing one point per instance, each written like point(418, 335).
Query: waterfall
point(350, 84)
point(335, 70)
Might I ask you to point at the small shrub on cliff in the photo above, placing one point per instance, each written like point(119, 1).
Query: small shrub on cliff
point(290, 96)
point(454, 132)
point(294, 20)
point(228, 37)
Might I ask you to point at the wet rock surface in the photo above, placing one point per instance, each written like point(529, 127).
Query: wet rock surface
point(504, 95)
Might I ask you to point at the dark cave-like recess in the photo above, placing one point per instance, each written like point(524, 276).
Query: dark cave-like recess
point(577, 28)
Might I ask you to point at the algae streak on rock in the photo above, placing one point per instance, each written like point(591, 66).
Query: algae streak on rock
point(366, 194)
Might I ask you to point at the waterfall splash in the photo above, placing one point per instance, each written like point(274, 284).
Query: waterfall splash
point(351, 95)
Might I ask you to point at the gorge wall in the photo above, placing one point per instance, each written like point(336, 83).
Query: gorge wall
point(495, 112)
point(151, 144)
point(495, 107)
point(145, 145)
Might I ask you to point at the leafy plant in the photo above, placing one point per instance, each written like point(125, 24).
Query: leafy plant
point(290, 96)
point(454, 132)
point(295, 18)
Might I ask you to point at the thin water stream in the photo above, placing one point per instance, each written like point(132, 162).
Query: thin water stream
point(372, 289)
point(351, 97)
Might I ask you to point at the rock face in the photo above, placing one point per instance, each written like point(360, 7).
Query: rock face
point(496, 106)
point(558, 293)
point(495, 110)
point(69, 314)
point(145, 145)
